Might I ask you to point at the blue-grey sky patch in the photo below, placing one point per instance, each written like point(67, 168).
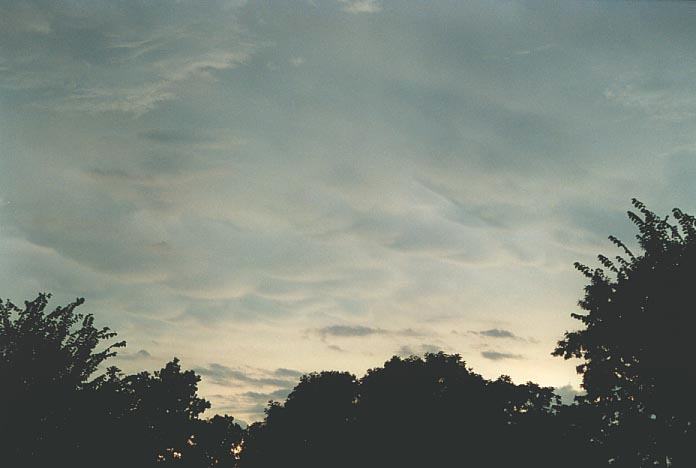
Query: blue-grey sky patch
point(177, 136)
point(568, 393)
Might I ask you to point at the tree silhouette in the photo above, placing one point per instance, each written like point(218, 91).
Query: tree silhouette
point(420, 412)
point(215, 443)
point(154, 420)
point(411, 412)
point(45, 360)
point(56, 412)
point(314, 427)
point(160, 413)
point(637, 344)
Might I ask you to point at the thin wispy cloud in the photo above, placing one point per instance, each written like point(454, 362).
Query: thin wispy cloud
point(144, 97)
point(124, 67)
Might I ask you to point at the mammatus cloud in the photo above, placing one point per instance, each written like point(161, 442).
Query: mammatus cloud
point(500, 356)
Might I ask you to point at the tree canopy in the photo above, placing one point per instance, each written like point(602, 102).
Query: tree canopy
point(636, 343)
point(59, 409)
point(411, 412)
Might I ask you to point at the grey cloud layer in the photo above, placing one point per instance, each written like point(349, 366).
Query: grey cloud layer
point(418, 350)
point(246, 172)
point(499, 355)
point(247, 391)
point(344, 331)
point(226, 376)
point(498, 333)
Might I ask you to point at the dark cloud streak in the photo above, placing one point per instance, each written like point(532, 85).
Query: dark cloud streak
point(361, 331)
point(500, 356)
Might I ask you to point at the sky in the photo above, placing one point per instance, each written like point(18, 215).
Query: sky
point(267, 188)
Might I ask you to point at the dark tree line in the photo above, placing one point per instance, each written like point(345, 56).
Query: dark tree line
point(60, 406)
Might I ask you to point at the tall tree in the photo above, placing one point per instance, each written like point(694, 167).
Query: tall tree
point(636, 344)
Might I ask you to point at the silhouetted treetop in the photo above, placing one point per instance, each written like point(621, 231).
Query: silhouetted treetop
point(49, 348)
point(411, 412)
point(56, 413)
point(637, 341)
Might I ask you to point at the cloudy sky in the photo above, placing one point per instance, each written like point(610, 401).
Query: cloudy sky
point(268, 188)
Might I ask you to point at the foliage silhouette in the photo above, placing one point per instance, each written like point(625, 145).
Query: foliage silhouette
point(637, 345)
point(315, 426)
point(411, 412)
point(46, 360)
point(55, 412)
